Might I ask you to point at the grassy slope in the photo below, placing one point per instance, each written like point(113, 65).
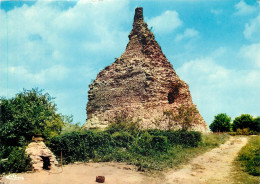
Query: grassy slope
point(243, 165)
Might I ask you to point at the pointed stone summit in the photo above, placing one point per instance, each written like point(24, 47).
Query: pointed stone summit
point(141, 82)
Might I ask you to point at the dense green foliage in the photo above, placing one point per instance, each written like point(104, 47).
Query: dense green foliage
point(151, 149)
point(132, 147)
point(17, 160)
point(28, 113)
point(123, 122)
point(180, 137)
point(249, 156)
point(185, 118)
point(221, 123)
point(256, 124)
point(244, 121)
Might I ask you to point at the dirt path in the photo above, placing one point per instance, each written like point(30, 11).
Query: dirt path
point(211, 167)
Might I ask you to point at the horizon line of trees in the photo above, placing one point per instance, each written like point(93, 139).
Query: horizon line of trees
point(243, 123)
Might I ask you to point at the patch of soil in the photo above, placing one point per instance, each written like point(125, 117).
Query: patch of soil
point(214, 166)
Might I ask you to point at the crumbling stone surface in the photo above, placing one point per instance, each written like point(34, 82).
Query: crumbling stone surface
point(141, 82)
point(37, 151)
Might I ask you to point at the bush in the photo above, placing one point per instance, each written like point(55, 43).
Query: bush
point(185, 118)
point(74, 146)
point(142, 144)
point(180, 137)
point(256, 124)
point(159, 143)
point(243, 121)
point(221, 123)
point(145, 149)
point(28, 113)
point(122, 139)
point(17, 161)
point(249, 156)
point(81, 146)
point(123, 122)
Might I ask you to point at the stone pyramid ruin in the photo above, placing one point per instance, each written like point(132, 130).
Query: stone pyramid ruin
point(141, 82)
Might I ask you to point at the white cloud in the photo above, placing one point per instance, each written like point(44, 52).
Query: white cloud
point(219, 52)
point(244, 9)
point(54, 73)
point(216, 11)
point(56, 49)
point(188, 33)
point(252, 29)
point(216, 89)
point(165, 23)
point(251, 53)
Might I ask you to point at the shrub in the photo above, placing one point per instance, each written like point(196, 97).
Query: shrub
point(138, 148)
point(159, 143)
point(243, 121)
point(122, 139)
point(180, 137)
point(221, 123)
point(244, 131)
point(81, 146)
point(249, 156)
point(17, 161)
point(142, 144)
point(123, 122)
point(185, 118)
point(74, 146)
point(256, 124)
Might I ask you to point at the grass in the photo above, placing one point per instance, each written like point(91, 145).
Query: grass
point(247, 165)
point(157, 161)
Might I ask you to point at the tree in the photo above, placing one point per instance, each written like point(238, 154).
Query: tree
point(221, 123)
point(243, 121)
point(256, 124)
point(28, 113)
point(186, 117)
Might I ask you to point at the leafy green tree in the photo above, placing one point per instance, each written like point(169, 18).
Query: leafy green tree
point(28, 113)
point(186, 117)
point(243, 121)
point(221, 123)
point(256, 124)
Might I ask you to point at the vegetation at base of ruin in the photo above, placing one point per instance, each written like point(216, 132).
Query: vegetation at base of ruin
point(29, 113)
point(249, 156)
point(245, 124)
point(124, 122)
point(248, 159)
point(185, 118)
point(147, 149)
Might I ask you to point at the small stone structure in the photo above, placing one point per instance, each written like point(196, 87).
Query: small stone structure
point(41, 156)
point(141, 82)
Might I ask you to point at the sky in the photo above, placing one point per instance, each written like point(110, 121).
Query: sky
point(61, 46)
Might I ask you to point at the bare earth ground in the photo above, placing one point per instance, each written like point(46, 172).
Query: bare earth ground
point(212, 167)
